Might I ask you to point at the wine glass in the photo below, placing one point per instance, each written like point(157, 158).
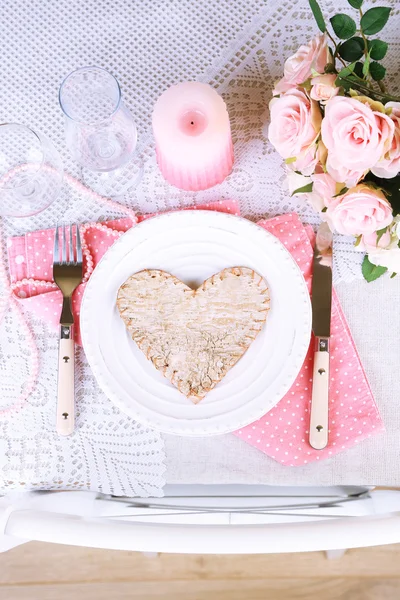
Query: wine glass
point(31, 171)
point(100, 131)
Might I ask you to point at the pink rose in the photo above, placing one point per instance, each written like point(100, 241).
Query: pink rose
point(295, 124)
point(298, 68)
point(390, 165)
point(341, 173)
point(323, 87)
point(311, 160)
point(356, 137)
point(323, 192)
point(369, 242)
point(306, 161)
point(282, 87)
point(325, 186)
point(362, 210)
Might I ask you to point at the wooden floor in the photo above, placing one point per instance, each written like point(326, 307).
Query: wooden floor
point(38, 571)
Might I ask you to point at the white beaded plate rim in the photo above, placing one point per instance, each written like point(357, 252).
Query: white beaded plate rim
point(193, 245)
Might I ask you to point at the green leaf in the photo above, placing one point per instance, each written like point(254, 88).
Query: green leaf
point(377, 49)
point(347, 70)
point(365, 68)
point(345, 78)
point(379, 234)
point(318, 16)
point(307, 84)
point(393, 275)
point(302, 190)
point(342, 191)
point(352, 84)
point(343, 25)
point(371, 272)
point(330, 68)
point(352, 49)
point(377, 71)
point(358, 69)
point(355, 3)
point(346, 83)
point(374, 19)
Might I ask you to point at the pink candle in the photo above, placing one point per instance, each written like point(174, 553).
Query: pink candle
point(193, 136)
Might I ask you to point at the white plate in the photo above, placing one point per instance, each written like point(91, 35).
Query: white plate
point(193, 245)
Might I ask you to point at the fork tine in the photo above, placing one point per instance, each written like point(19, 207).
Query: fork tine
point(56, 251)
point(71, 257)
point(78, 246)
point(64, 246)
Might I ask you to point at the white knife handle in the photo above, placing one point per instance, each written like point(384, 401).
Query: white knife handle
point(65, 420)
point(320, 396)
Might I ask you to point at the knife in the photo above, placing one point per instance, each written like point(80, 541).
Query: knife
point(321, 300)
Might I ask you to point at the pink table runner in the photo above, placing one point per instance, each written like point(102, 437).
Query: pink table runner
point(283, 432)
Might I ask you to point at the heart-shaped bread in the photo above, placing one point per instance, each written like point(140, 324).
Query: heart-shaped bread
point(194, 336)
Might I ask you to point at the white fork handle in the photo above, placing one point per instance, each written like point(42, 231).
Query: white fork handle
point(65, 422)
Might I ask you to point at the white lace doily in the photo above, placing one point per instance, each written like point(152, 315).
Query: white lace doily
point(239, 47)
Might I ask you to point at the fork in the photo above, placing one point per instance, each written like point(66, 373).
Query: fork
point(67, 274)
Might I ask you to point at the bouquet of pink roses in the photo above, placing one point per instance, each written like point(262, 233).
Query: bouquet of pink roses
point(339, 132)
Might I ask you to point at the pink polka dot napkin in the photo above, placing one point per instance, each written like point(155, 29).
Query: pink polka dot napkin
point(283, 432)
point(30, 259)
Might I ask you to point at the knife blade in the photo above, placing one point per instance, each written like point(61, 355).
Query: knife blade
point(321, 301)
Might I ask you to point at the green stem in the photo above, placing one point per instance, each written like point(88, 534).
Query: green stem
point(335, 53)
point(363, 36)
point(367, 79)
point(368, 91)
point(382, 87)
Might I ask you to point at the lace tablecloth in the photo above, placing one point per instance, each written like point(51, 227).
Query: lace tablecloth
point(237, 46)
